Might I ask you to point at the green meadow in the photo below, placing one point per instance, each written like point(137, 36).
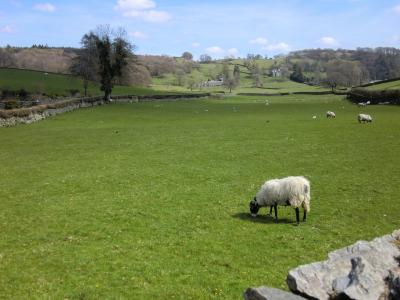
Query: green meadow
point(386, 85)
point(52, 84)
point(150, 200)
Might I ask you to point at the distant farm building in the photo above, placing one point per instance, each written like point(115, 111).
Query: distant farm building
point(212, 83)
point(276, 72)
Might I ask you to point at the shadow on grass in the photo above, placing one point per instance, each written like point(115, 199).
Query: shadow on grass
point(266, 219)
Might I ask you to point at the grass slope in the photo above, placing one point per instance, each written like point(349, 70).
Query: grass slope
point(150, 200)
point(386, 86)
point(208, 71)
point(56, 84)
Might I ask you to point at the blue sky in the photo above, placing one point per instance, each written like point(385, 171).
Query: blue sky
point(219, 28)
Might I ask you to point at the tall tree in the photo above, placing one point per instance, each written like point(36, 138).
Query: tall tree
point(107, 52)
point(86, 64)
point(236, 73)
point(297, 74)
point(187, 55)
point(205, 58)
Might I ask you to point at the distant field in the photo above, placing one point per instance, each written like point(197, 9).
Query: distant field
point(207, 71)
point(385, 86)
point(150, 200)
point(65, 85)
point(55, 84)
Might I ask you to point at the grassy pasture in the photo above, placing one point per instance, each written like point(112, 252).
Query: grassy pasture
point(150, 200)
point(270, 85)
point(37, 82)
point(385, 86)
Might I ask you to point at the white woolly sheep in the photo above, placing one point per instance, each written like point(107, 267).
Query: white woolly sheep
point(293, 191)
point(364, 118)
point(330, 114)
point(362, 104)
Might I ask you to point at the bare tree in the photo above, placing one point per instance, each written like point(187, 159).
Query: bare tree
point(86, 64)
point(6, 59)
point(205, 58)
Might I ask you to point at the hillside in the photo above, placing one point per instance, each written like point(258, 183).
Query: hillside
point(390, 85)
point(55, 85)
point(56, 60)
point(319, 68)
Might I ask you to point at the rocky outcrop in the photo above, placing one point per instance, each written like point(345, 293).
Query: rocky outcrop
point(265, 293)
point(364, 270)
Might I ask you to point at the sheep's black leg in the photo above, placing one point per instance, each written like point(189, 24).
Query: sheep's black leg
point(304, 216)
point(297, 215)
point(276, 213)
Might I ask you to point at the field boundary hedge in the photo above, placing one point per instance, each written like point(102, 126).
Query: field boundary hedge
point(293, 93)
point(32, 114)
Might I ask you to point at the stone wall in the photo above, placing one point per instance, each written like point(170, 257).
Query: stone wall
point(14, 117)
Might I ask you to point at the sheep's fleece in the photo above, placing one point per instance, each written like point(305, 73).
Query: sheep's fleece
point(293, 190)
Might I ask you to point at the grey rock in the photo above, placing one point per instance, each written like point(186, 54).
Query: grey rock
point(266, 293)
point(356, 272)
point(393, 284)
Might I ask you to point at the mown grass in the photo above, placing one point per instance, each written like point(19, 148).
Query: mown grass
point(51, 84)
point(150, 200)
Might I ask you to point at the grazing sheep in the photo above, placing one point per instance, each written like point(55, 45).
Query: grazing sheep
point(293, 191)
point(314, 117)
point(364, 118)
point(330, 114)
point(362, 104)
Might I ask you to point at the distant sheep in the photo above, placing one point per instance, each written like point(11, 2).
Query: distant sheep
point(293, 191)
point(362, 104)
point(330, 114)
point(364, 118)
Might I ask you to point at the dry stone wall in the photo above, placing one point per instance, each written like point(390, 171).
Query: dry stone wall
point(30, 115)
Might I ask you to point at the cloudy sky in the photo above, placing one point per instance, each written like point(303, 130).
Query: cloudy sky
point(219, 28)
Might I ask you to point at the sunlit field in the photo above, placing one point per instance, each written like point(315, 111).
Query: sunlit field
point(150, 200)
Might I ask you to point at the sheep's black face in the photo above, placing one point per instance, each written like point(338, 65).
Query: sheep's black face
point(254, 207)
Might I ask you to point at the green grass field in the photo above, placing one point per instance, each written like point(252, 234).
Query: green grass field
point(150, 200)
point(52, 84)
point(270, 85)
point(386, 86)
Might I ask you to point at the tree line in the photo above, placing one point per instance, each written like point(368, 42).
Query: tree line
point(345, 67)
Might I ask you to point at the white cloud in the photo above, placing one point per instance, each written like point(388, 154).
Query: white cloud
point(156, 16)
point(196, 45)
point(328, 41)
point(232, 52)
point(46, 7)
point(7, 29)
point(138, 34)
point(397, 9)
point(394, 39)
point(134, 5)
point(259, 41)
point(215, 50)
point(142, 9)
point(280, 47)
